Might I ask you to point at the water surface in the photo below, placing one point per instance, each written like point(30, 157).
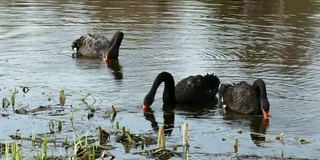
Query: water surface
point(276, 40)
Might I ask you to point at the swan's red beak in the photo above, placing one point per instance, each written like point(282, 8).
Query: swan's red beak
point(145, 107)
point(265, 114)
point(105, 59)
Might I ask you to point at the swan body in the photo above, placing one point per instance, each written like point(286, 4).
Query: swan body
point(190, 90)
point(98, 46)
point(245, 98)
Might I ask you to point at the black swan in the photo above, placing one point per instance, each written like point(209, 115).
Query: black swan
point(190, 90)
point(97, 46)
point(245, 98)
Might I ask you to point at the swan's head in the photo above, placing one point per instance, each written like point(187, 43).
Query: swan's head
point(147, 102)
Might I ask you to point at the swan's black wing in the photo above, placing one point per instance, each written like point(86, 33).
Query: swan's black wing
point(195, 89)
point(238, 97)
point(92, 45)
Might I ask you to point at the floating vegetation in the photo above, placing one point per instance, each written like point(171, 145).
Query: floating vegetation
point(35, 111)
point(62, 98)
point(87, 151)
point(280, 137)
point(5, 103)
point(13, 97)
point(91, 112)
point(134, 140)
point(103, 136)
point(236, 149)
point(52, 124)
point(94, 152)
point(45, 145)
point(15, 137)
point(112, 113)
point(86, 96)
point(67, 133)
point(236, 145)
point(4, 114)
point(25, 89)
point(185, 138)
point(302, 141)
point(161, 152)
point(16, 152)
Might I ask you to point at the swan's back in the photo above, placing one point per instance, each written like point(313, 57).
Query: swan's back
point(240, 97)
point(197, 88)
point(92, 45)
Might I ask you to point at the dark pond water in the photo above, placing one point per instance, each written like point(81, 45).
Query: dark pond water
point(277, 40)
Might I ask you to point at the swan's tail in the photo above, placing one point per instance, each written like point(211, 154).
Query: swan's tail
point(213, 82)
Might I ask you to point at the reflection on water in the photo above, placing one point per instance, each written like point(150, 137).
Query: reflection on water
point(191, 111)
point(276, 40)
point(200, 110)
point(168, 120)
point(115, 66)
point(88, 63)
point(256, 125)
point(262, 38)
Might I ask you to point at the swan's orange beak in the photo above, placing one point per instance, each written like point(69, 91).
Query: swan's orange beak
point(265, 114)
point(105, 59)
point(145, 107)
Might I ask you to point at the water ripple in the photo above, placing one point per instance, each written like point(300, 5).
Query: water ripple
point(235, 40)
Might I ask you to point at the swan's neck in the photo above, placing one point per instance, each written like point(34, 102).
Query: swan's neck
point(264, 103)
point(259, 83)
point(113, 51)
point(169, 90)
